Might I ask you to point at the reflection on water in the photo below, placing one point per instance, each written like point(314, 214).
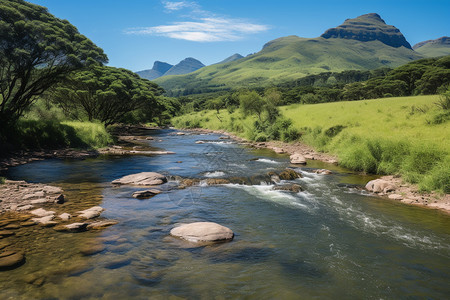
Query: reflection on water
point(331, 241)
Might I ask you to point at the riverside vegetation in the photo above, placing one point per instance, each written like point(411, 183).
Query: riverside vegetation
point(401, 136)
point(55, 90)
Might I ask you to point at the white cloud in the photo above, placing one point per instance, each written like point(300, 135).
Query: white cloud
point(204, 30)
point(174, 6)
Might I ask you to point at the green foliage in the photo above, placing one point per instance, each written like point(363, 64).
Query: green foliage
point(444, 101)
point(34, 134)
point(106, 94)
point(37, 50)
point(2, 180)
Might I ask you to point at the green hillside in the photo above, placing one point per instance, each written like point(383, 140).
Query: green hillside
point(292, 57)
point(289, 58)
point(434, 48)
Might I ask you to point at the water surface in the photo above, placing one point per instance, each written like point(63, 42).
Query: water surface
point(332, 241)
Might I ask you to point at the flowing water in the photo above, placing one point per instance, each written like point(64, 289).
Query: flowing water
point(332, 241)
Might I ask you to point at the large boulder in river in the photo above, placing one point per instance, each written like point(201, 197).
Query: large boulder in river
point(203, 232)
point(144, 178)
point(297, 158)
point(380, 186)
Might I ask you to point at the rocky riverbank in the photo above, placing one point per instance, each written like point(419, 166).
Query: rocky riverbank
point(399, 190)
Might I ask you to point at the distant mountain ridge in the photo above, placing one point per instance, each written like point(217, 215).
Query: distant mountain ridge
point(445, 40)
point(368, 27)
point(187, 65)
point(434, 48)
point(362, 43)
point(232, 58)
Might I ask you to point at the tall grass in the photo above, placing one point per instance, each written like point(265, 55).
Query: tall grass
point(35, 134)
point(382, 136)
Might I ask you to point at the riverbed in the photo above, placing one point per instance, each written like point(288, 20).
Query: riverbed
point(330, 241)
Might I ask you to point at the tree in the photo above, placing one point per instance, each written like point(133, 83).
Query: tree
point(106, 94)
point(37, 50)
point(251, 103)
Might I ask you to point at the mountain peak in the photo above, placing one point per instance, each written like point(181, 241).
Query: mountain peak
point(368, 27)
point(233, 57)
point(185, 66)
point(161, 67)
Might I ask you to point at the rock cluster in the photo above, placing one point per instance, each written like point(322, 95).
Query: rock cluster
point(23, 196)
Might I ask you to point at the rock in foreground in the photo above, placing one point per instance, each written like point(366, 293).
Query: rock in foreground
point(144, 178)
point(203, 232)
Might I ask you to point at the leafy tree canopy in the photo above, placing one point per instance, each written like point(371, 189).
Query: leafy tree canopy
point(36, 51)
point(106, 94)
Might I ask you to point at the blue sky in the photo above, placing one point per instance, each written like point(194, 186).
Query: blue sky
point(135, 33)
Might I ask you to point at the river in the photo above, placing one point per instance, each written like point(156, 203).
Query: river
point(331, 241)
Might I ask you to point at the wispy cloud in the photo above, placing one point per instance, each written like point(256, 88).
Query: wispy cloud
point(175, 6)
point(202, 28)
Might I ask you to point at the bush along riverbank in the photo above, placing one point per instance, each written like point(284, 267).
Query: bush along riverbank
point(391, 136)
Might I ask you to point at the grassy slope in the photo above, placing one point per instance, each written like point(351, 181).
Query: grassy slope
point(293, 57)
point(385, 136)
point(432, 50)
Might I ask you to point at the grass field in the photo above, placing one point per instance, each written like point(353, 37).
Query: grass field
point(408, 136)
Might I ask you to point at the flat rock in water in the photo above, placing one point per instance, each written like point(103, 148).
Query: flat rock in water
point(91, 213)
point(11, 261)
point(102, 224)
point(5, 233)
point(65, 216)
point(146, 194)
point(92, 248)
point(74, 227)
point(297, 158)
point(40, 212)
point(144, 178)
point(202, 232)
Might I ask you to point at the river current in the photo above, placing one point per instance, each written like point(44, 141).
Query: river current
point(331, 241)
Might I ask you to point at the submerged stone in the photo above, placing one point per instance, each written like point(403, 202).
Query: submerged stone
point(146, 194)
point(11, 261)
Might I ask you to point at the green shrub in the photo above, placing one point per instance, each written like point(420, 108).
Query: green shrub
point(33, 134)
point(290, 135)
point(261, 138)
point(438, 178)
point(2, 180)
